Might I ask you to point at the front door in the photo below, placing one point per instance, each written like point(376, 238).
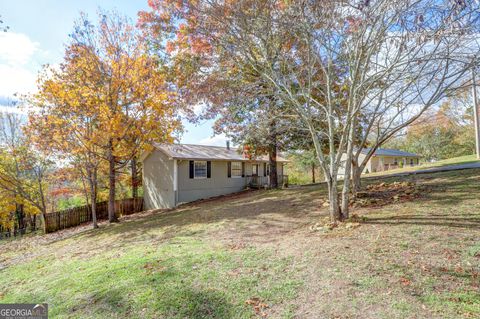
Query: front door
point(254, 169)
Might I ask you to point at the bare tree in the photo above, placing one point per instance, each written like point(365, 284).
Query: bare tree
point(379, 63)
point(413, 60)
point(370, 66)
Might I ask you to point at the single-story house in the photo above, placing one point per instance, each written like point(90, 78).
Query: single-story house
point(181, 173)
point(385, 159)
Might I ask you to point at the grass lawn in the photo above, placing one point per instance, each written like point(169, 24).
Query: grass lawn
point(255, 255)
point(447, 162)
point(455, 161)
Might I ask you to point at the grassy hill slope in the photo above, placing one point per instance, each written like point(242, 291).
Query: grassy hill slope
point(255, 255)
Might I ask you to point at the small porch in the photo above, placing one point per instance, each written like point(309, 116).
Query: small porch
point(387, 163)
point(254, 181)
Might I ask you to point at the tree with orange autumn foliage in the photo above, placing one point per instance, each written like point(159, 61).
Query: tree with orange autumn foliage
point(108, 100)
point(235, 95)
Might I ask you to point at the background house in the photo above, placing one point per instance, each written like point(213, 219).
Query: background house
point(384, 160)
point(180, 173)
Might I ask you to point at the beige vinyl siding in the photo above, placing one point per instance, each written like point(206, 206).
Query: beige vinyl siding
point(374, 164)
point(158, 181)
point(219, 183)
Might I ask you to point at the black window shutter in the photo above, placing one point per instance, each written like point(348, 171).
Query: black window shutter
point(243, 169)
point(229, 169)
point(264, 169)
point(209, 169)
point(191, 169)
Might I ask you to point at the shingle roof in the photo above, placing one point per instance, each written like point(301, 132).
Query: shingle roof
point(206, 152)
point(387, 152)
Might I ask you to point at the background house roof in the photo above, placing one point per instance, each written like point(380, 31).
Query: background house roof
point(387, 152)
point(205, 152)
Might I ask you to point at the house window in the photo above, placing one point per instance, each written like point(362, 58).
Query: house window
point(200, 169)
point(411, 162)
point(236, 169)
point(395, 162)
point(268, 169)
point(255, 169)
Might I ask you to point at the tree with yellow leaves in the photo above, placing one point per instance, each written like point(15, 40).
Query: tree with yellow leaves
point(23, 174)
point(108, 100)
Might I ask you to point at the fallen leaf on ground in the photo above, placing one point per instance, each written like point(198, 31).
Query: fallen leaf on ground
point(405, 281)
point(258, 306)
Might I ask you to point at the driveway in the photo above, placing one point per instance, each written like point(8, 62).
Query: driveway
point(445, 168)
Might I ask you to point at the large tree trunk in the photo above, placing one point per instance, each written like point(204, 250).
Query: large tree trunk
point(357, 170)
point(272, 160)
point(346, 195)
point(330, 171)
point(272, 154)
point(93, 196)
point(33, 223)
point(85, 189)
point(20, 214)
point(111, 184)
point(356, 178)
point(313, 172)
point(134, 177)
point(334, 209)
point(348, 172)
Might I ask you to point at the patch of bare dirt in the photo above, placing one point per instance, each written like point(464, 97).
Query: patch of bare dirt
point(326, 225)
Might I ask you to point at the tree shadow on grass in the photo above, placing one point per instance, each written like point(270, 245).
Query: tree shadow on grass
point(457, 191)
point(202, 304)
point(177, 302)
point(431, 212)
point(289, 206)
point(150, 291)
point(469, 223)
point(259, 214)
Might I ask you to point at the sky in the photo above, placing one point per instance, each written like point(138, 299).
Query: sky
point(37, 36)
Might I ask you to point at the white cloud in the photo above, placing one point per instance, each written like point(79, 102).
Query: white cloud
point(217, 140)
point(16, 79)
point(16, 48)
point(17, 63)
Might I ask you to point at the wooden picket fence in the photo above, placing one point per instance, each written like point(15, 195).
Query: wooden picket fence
point(82, 214)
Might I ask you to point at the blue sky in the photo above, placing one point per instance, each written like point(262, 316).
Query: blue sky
point(38, 32)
